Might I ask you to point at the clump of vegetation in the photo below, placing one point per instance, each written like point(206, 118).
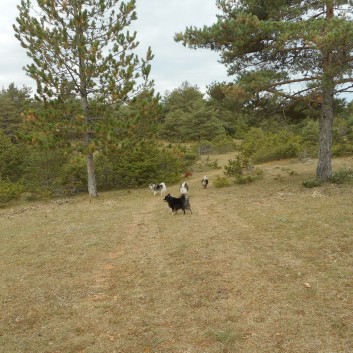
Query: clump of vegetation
point(222, 182)
point(239, 171)
point(142, 163)
point(344, 175)
point(263, 146)
point(11, 159)
point(313, 183)
point(341, 176)
point(202, 165)
point(9, 192)
point(242, 170)
point(342, 136)
point(218, 145)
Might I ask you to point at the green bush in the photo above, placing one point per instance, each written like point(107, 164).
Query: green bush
point(74, 175)
point(9, 192)
point(234, 167)
point(342, 176)
point(342, 144)
point(239, 171)
point(222, 182)
point(342, 148)
point(139, 164)
point(46, 172)
point(309, 133)
point(205, 165)
point(11, 159)
point(223, 144)
point(249, 177)
point(267, 146)
point(311, 183)
point(342, 137)
point(219, 145)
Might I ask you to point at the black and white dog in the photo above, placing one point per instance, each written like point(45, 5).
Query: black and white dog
point(204, 182)
point(178, 203)
point(158, 189)
point(184, 188)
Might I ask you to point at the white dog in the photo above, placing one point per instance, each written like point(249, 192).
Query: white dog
point(204, 182)
point(184, 188)
point(158, 189)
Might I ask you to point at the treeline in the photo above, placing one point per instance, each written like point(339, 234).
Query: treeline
point(41, 147)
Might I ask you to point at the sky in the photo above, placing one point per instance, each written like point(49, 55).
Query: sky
point(158, 21)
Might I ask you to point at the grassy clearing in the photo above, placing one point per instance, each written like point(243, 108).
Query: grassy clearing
point(265, 267)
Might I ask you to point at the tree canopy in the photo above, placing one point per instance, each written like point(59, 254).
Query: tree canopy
point(83, 49)
point(13, 102)
point(297, 50)
point(188, 117)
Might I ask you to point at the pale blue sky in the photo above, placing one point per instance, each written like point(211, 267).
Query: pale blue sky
point(158, 21)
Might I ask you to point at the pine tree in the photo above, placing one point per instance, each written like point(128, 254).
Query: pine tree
point(13, 102)
point(82, 48)
point(188, 117)
point(294, 49)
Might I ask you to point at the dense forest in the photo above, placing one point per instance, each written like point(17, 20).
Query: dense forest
point(96, 123)
point(160, 139)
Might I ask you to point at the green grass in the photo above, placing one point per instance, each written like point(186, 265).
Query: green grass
point(264, 267)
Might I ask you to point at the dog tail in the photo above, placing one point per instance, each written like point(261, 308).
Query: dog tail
point(186, 202)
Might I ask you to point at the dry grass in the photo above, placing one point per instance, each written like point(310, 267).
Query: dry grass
point(259, 268)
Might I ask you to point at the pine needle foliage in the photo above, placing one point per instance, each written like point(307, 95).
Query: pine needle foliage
point(83, 50)
point(293, 49)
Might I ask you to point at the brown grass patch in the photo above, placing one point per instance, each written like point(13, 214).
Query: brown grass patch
point(265, 267)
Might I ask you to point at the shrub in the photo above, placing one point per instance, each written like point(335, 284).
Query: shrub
point(138, 164)
point(46, 172)
point(310, 138)
point(223, 144)
point(220, 144)
point(74, 175)
point(205, 165)
point(342, 148)
point(266, 146)
point(312, 183)
point(9, 192)
point(11, 159)
point(222, 181)
point(249, 177)
point(342, 176)
point(239, 171)
point(234, 167)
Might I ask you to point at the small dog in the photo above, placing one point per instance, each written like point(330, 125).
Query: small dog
point(184, 188)
point(178, 203)
point(158, 189)
point(204, 182)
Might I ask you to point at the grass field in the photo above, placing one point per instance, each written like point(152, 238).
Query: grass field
point(261, 268)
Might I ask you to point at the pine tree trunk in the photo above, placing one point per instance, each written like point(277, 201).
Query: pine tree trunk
point(91, 176)
point(324, 168)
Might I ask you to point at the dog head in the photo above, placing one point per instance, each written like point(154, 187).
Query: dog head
point(167, 198)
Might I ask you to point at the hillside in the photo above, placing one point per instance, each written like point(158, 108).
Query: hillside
point(265, 267)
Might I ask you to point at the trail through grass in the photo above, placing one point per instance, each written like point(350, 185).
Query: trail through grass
point(265, 267)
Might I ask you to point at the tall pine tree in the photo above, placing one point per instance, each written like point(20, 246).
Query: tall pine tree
point(294, 49)
point(82, 48)
point(13, 102)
